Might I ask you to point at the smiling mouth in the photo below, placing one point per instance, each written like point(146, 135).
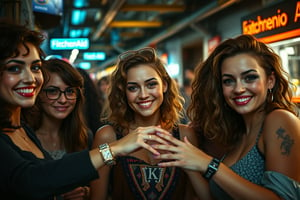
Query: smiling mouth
point(145, 104)
point(25, 92)
point(242, 101)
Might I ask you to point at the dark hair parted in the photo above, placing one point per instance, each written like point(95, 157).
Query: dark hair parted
point(121, 112)
point(208, 111)
point(73, 132)
point(13, 35)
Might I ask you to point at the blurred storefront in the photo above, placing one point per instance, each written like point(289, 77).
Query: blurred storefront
point(279, 26)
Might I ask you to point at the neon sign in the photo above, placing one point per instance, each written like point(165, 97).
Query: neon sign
point(275, 23)
point(69, 43)
point(94, 55)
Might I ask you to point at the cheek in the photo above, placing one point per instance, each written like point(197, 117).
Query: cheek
point(39, 81)
point(130, 96)
point(226, 91)
point(257, 87)
point(72, 104)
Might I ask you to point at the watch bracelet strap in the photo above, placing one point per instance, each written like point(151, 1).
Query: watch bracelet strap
point(212, 168)
point(106, 146)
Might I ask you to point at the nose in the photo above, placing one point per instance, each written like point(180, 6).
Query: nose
point(143, 93)
point(28, 76)
point(239, 87)
point(62, 98)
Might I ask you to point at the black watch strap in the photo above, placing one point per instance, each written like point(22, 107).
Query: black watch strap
point(212, 168)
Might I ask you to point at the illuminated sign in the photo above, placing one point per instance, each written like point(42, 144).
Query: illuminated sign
point(94, 56)
point(278, 22)
point(52, 7)
point(69, 43)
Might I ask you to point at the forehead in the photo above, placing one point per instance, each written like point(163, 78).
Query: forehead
point(55, 79)
point(241, 62)
point(141, 72)
point(24, 53)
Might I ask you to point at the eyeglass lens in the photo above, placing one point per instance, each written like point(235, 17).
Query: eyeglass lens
point(54, 93)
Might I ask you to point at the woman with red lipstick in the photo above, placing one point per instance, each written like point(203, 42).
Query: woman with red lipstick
point(142, 94)
point(249, 128)
point(27, 171)
point(57, 117)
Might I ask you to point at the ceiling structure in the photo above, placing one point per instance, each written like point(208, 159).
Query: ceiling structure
point(114, 26)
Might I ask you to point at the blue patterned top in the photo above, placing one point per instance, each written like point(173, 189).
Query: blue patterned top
point(250, 167)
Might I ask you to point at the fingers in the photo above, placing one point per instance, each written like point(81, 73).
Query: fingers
point(77, 193)
point(169, 138)
point(174, 163)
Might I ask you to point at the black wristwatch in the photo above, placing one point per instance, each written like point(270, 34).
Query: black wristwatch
point(107, 155)
point(212, 168)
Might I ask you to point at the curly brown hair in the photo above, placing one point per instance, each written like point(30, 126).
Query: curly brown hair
point(209, 114)
point(121, 113)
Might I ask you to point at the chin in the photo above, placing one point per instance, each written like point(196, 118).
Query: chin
point(27, 104)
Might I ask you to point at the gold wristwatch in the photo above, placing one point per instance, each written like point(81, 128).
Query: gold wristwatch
point(107, 155)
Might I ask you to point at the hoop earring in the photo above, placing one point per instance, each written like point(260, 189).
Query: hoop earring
point(271, 93)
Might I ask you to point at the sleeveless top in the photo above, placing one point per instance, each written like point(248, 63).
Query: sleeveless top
point(250, 167)
point(132, 178)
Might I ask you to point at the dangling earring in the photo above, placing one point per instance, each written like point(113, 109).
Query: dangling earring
point(271, 93)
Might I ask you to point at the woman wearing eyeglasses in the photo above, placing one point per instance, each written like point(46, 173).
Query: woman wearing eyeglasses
point(57, 117)
point(27, 171)
point(142, 95)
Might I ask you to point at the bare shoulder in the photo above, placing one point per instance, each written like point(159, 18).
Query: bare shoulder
point(282, 118)
point(281, 126)
point(187, 131)
point(104, 134)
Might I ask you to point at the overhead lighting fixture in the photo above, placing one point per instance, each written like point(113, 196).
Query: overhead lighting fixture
point(80, 3)
point(78, 17)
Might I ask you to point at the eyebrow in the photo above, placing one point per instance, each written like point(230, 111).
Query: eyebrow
point(22, 62)
point(243, 73)
point(150, 79)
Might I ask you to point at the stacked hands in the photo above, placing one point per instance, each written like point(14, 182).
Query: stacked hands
point(163, 146)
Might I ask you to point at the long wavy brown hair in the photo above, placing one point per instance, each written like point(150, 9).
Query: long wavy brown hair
point(209, 114)
point(73, 131)
point(120, 112)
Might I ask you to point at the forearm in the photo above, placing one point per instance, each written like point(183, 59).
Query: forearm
point(240, 188)
point(199, 184)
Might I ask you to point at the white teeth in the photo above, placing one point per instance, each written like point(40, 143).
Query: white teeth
point(145, 104)
point(242, 99)
point(27, 90)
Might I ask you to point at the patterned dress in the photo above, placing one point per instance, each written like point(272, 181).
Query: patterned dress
point(133, 178)
point(250, 167)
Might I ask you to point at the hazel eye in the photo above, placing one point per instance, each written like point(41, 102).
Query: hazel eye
point(13, 68)
point(251, 78)
point(228, 81)
point(132, 88)
point(36, 68)
point(152, 84)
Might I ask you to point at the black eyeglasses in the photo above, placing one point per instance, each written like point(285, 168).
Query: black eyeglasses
point(54, 93)
point(148, 52)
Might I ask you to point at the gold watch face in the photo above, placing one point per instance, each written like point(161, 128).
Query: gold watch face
point(107, 155)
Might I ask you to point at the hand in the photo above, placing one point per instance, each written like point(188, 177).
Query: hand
point(80, 193)
point(181, 154)
point(139, 138)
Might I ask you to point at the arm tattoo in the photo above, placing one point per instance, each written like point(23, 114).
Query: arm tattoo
point(287, 142)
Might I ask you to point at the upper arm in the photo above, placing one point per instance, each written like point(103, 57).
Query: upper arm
point(281, 140)
point(99, 187)
point(105, 134)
